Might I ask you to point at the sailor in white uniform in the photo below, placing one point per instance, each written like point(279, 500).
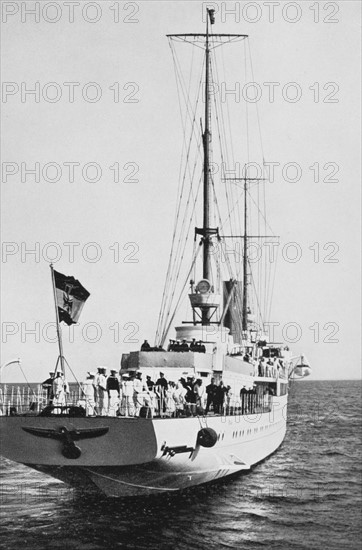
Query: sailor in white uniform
point(102, 403)
point(59, 387)
point(138, 397)
point(95, 386)
point(89, 394)
point(127, 408)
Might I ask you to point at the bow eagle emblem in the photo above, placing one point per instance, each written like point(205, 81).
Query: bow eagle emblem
point(70, 449)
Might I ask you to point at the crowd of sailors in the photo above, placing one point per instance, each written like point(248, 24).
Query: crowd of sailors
point(132, 395)
point(177, 345)
point(129, 394)
point(269, 367)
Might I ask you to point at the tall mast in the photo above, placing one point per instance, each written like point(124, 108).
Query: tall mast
point(206, 142)
point(245, 237)
point(244, 318)
point(206, 138)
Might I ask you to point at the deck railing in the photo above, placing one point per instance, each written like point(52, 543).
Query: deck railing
point(23, 399)
point(17, 400)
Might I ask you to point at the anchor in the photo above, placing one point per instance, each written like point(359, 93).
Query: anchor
point(172, 451)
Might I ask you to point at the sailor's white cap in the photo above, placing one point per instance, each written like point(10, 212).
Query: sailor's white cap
point(91, 373)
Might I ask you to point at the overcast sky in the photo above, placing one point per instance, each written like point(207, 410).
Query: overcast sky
point(129, 115)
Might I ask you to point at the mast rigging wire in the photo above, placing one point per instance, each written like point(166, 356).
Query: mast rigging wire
point(260, 276)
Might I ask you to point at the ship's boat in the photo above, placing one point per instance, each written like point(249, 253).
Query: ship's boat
point(212, 401)
point(299, 367)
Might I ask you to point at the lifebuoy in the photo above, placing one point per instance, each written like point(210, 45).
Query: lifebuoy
point(206, 437)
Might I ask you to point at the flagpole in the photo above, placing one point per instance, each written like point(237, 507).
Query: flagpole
point(59, 333)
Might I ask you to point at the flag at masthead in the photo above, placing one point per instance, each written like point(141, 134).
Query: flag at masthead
point(211, 13)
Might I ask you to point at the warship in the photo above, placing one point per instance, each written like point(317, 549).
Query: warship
point(215, 400)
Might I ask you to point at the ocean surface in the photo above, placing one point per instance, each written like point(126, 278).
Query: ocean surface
point(305, 496)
